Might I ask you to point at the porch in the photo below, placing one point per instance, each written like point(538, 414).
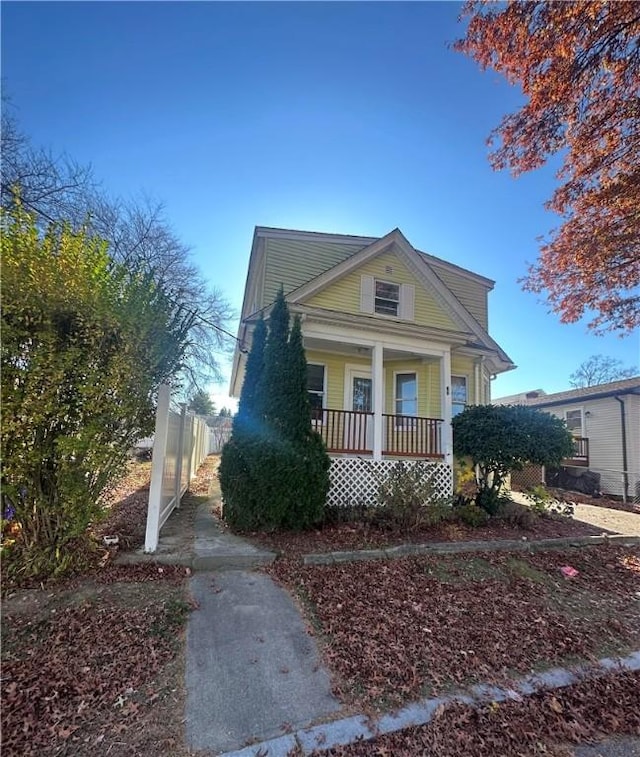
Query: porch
point(382, 400)
point(351, 432)
point(580, 456)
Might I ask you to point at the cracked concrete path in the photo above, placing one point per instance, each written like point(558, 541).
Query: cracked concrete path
point(253, 672)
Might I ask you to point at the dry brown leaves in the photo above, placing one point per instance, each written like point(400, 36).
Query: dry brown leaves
point(348, 536)
point(82, 667)
point(539, 725)
point(128, 501)
point(126, 506)
point(399, 629)
point(206, 474)
point(84, 676)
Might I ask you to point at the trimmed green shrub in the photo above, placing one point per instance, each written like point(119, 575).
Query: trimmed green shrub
point(502, 438)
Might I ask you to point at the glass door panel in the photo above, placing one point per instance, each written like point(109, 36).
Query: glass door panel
point(362, 394)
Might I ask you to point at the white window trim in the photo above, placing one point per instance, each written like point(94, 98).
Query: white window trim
point(573, 410)
point(406, 299)
point(321, 421)
point(349, 369)
point(395, 396)
point(466, 382)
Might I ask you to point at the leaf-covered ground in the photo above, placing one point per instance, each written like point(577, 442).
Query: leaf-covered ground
point(542, 725)
point(126, 506)
point(91, 667)
point(126, 503)
point(349, 536)
point(393, 631)
point(94, 664)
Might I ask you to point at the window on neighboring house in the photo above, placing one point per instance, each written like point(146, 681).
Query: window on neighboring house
point(573, 419)
point(387, 298)
point(458, 394)
point(406, 394)
point(315, 388)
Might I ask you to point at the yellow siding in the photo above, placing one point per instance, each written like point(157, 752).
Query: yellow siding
point(291, 263)
point(428, 400)
point(344, 295)
point(428, 381)
point(463, 366)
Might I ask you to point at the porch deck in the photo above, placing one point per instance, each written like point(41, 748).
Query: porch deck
point(351, 432)
point(580, 457)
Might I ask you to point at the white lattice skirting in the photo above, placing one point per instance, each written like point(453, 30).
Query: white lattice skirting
point(355, 481)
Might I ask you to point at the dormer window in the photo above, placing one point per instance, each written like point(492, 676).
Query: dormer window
point(387, 298)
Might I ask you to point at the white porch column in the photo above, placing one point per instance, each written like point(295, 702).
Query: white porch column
point(447, 431)
point(377, 364)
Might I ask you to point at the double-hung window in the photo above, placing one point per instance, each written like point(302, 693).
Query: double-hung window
point(315, 389)
point(573, 419)
point(387, 298)
point(406, 398)
point(459, 397)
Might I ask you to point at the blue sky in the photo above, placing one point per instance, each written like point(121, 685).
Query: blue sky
point(340, 117)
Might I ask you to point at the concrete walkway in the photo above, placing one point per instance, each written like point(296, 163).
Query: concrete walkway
point(216, 549)
point(198, 540)
point(608, 519)
point(253, 672)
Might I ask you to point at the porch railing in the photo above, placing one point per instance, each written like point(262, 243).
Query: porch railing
point(411, 436)
point(580, 457)
point(345, 430)
point(351, 431)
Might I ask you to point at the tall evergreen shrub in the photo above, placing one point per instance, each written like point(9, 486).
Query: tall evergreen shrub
point(274, 470)
point(237, 472)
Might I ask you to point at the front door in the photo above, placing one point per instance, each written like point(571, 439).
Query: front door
point(358, 429)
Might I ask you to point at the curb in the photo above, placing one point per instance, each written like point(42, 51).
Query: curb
point(240, 561)
point(199, 562)
point(438, 548)
point(358, 727)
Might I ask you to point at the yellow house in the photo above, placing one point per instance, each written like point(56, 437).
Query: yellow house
point(396, 340)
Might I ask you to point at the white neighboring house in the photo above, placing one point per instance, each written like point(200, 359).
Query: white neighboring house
point(605, 421)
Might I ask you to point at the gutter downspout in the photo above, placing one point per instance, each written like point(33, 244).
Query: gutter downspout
point(623, 429)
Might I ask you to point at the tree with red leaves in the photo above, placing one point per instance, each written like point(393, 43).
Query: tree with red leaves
point(578, 64)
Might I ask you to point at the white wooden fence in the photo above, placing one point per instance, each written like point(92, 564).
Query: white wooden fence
point(181, 443)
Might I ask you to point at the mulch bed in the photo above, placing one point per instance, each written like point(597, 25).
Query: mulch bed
point(543, 724)
point(350, 536)
point(396, 630)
